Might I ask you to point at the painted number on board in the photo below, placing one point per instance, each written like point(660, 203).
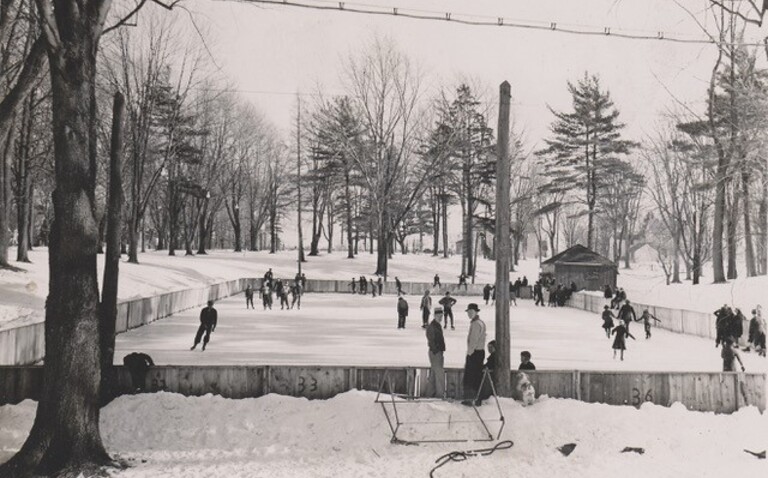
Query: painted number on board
point(638, 398)
point(158, 383)
point(305, 384)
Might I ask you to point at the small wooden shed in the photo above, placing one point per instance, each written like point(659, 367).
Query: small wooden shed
point(588, 269)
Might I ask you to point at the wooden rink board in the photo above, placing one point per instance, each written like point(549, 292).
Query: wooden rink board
point(712, 392)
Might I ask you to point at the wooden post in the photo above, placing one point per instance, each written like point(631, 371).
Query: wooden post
point(298, 179)
point(503, 247)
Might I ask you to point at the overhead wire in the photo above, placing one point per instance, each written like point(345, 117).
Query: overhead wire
point(497, 21)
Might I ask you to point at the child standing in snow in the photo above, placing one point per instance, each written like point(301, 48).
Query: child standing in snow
point(620, 342)
point(608, 321)
point(646, 318)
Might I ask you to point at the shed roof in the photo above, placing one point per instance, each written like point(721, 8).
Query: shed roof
point(581, 255)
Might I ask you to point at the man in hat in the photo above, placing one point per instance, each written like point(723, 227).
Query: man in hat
point(436, 344)
point(208, 319)
point(473, 366)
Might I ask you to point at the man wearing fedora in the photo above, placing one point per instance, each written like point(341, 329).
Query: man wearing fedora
point(473, 367)
point(436, 344)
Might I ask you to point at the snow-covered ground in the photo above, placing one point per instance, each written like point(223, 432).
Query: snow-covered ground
point(168, 435)
point(22, 294)
point(354, 330)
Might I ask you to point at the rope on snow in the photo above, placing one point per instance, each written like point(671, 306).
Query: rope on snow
point(463, 455)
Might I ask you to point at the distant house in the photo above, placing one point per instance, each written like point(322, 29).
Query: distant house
point(588, 269)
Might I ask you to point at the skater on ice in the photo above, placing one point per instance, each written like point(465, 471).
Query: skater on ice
point(620, 342)
point(447, 302)
point(208, 319)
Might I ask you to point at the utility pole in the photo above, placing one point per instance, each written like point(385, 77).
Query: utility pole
point(298, 177)
point(503, 247)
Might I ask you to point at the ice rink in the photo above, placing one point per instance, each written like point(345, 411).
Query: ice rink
point(354, 330)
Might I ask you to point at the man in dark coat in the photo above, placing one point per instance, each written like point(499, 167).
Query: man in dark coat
point(266, 296)
point(208, 319)
point(538, 295)
point(380, 284)
point(436, 344)
point(487, 293)
point(296, 294)
point(447, 302)
point(463, 280)
point(363, 285)
point(354, 285)
point(608, 292)
point(249, 297)
point(268, 277)
point(517, 286)
point(436, 281)
point(399, 286)
point(627, 314)
point(525, 281)
point(138, 365)
point(402, 312)
point(426, 307)
point(722, 318)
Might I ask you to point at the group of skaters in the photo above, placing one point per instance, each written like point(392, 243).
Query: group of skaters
point(362, 285)
point(489, 291)
point(474, 362)
point(271, 286)
point(729, 329)
point(625, 316)
point(558, 294)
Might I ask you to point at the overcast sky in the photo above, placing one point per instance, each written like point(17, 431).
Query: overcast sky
point(270, 51)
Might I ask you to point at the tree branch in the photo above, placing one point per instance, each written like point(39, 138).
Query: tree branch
point(760, 12)
point(24, 83)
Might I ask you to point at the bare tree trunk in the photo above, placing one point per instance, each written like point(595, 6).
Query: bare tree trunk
point(202, 232)
point(435, 209)
point(112, 261)
point(748, 241)
point(444, 213)
point(5, 195)
point(351, 250)
point(717, 229)
point(22, 181)
point(383, 239)
point(732, 226)
point(676, 258)
point(65, 433)
point(329, 227)
point(763, 227)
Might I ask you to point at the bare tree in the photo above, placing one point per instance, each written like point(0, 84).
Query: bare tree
point(384, 88)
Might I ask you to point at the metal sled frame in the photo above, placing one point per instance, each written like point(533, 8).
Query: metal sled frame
point(406, 399)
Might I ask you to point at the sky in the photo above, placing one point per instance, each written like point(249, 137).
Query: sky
point(269, 52)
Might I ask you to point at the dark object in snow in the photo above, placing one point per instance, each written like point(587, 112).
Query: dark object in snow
point(138, 364)
point(637, 450)
point(760, 455)
point(567, 448)
point(463, 455)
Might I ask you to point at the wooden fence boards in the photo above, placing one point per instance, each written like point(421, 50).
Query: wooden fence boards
point(715, 392)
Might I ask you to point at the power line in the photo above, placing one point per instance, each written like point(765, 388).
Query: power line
point(486, 20)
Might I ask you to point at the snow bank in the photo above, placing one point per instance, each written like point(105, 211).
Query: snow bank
point(168, 435)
